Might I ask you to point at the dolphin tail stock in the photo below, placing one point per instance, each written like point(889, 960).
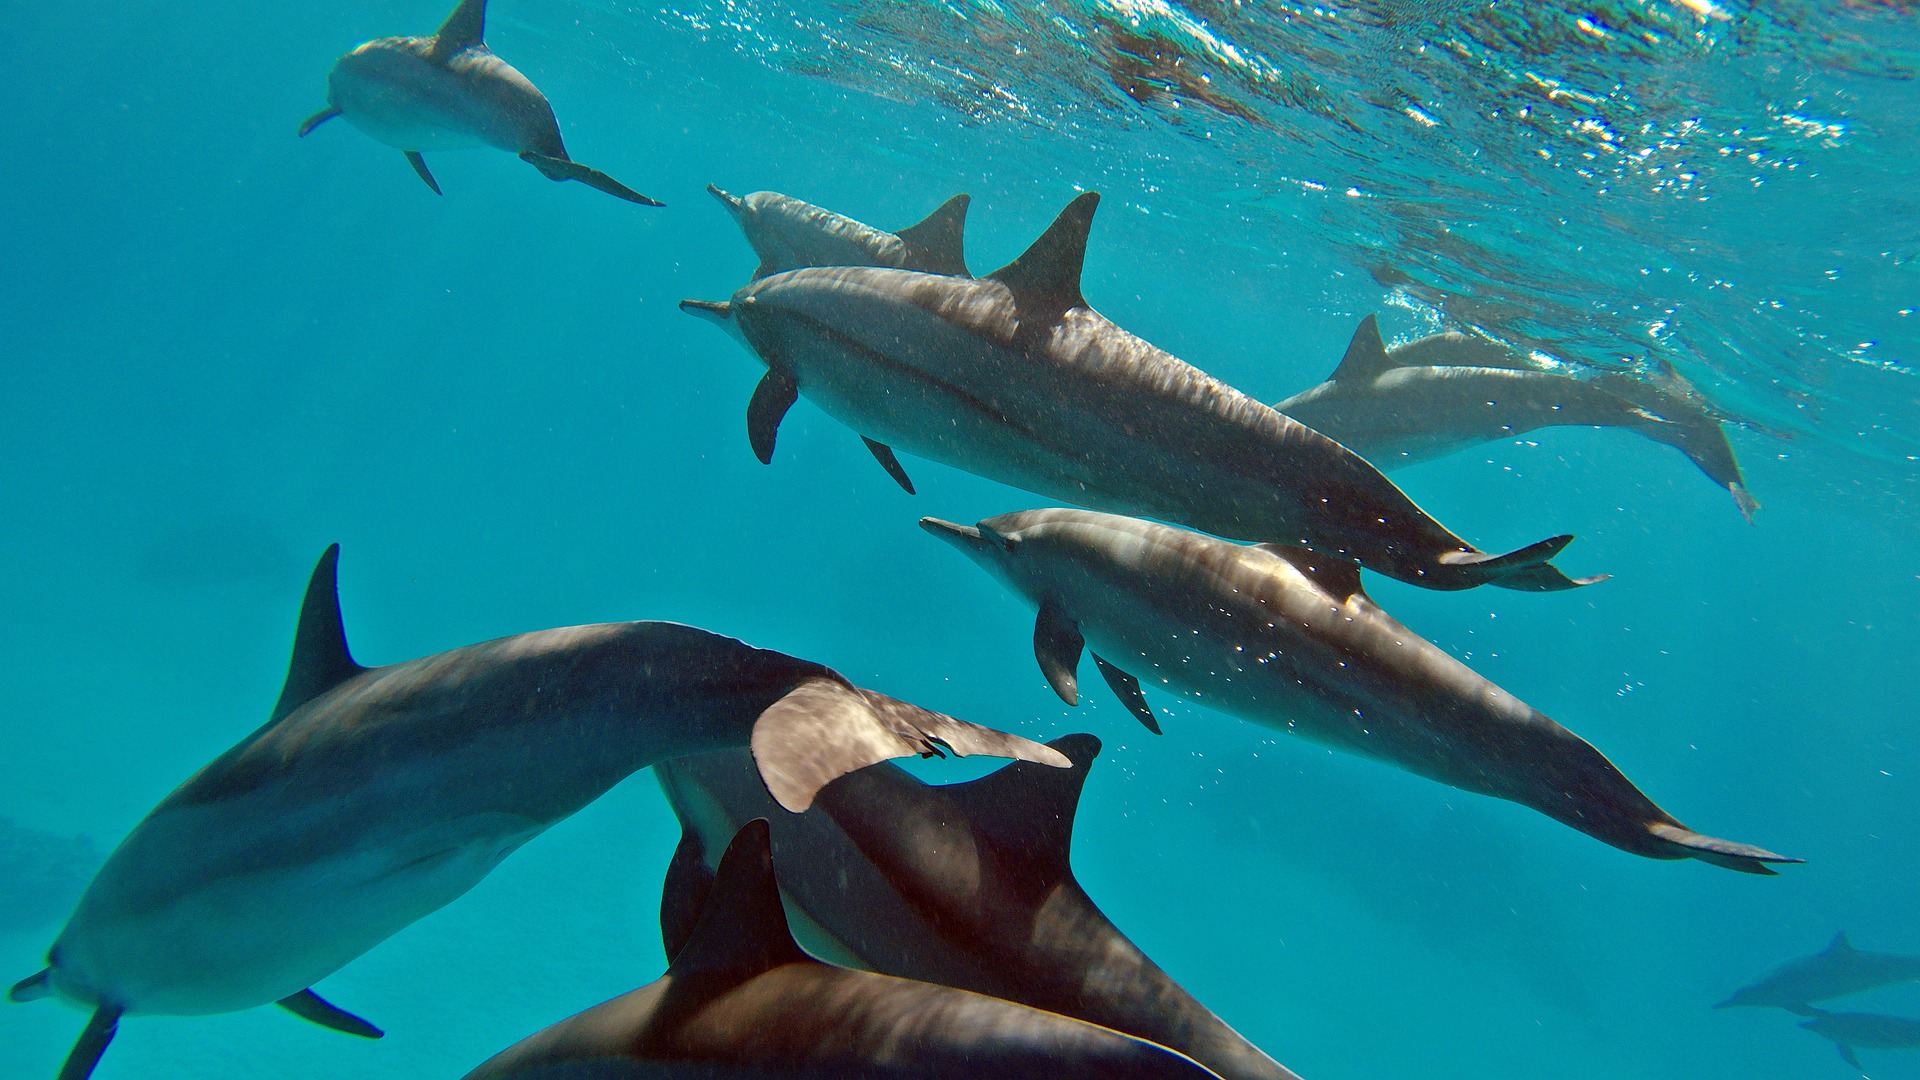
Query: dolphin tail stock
point(317, 119)
point(1525, 570)
point(86, 1052)
point(825, 728)
point(1683, 843)
point(557, 168)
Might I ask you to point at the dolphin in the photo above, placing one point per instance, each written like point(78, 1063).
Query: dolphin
point(1013, 377)
point(1446, 392)
point(1835, 971)
point(742, 1001)
point(374, 796)
point(1288, 639)
point(1850, 1032)
point(965, 885)
point(448, 92)
point(789, 234)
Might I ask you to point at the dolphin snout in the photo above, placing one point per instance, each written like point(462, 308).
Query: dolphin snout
point(959, 536)
point(731, 202)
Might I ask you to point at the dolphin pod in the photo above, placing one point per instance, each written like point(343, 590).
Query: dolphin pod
point(1288, 639)
point(449, 92)
point(1839, 970)
point(742, 1000)
point(374, 796)
point(789, 234)
point(966, 885)
point(1015, 378)
point(1446, 392)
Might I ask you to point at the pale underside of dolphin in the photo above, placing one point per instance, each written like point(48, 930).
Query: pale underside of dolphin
point(1441, 394)
point(374, 796)
point(1288, 639)
point(966, 885)
point(1853, 1032)
point(789, 234)
point(450, 92)
point(1014, 378)
point(1839, 970)
point(742, 1001)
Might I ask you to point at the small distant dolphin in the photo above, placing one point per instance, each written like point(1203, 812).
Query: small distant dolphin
point(374, 796)
point(789, 234)
point(1014, 378)
point(449, 92)
point(1288, 639)
point(966, 885)
point(1835, 971)
point(1431, 397)
point(1850, 1032)
point(742, 1001)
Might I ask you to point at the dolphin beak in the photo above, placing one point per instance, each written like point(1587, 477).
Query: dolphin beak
point(731, 202)
point(967, 538)
point(718, 312)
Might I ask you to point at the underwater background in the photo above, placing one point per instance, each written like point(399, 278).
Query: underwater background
point(222, 347)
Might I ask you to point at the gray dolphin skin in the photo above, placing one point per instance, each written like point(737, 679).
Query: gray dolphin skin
point(374, 796)
point(1287, 639)
point(1440, 394)
point(1852, 1032)
point(449, 92)
point(966, 885)
point(742, 1001)
point(1014, 378)
point(789, 234)
point(1835, 971)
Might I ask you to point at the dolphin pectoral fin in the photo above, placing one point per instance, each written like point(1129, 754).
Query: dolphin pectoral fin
point(1847, 1055)
point(883, 454)
point(938, 243)
point(562, 169)
point(1057, 644)
point(1684, 843)
point(317, 119)
point(771, 400)
point(92, 1043)
point(1127, 689)
point(825, 728)
point(420, 166)
point(684, 894)
point(32, 988)
point(308, 1005)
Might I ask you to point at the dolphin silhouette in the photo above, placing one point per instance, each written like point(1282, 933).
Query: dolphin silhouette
point(1013, 377)
point(789, 234)
point(1446, 392)
point(965, 885)
point(449, 92)
point(1835, 971)
point(1850, 1032)
point(1287, 638)
point(741, 1000)
point(374, 796)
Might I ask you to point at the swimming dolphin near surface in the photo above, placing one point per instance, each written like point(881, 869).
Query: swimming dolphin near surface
point(1288, 639)
point(1013, 377)
point(1431, 397)
point(966, 885)
point(742, 1001)
point(448, 92)
point(1835, 971)
point(1850, 1032)
point(789, 234)
point(374, 796)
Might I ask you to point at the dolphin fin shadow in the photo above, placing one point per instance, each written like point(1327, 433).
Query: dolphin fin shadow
point(555, 168)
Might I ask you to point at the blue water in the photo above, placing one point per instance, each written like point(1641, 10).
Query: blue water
point(222, 348)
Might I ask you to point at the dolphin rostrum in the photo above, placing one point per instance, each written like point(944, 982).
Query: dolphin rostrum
point(374, 796)
point(1835, 971)
point(1013, 377)
point(1850, 1032)
point(448, 92)
point(789, 234)
point(965, 885)
point(1287, 638)
point(742, 1001)
point(1446, 392)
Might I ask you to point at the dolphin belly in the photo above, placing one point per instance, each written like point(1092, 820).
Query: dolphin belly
point(401, 99)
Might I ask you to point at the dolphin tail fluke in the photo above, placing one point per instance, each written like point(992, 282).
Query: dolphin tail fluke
point(310, 1006)
point(93, 1042)
point(32, 988)
point(562, 169)
point(1684, 843)
point(317, 119)
point(1525, 570)
point(825, 728)
point(938, 243)
point(1746, 503)
point(419, 164)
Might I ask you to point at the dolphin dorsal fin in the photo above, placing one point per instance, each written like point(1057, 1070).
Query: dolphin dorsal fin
point(1046, 277)
point(1366, 356)
point(1840, 944)
point(320, 657)
point(742, 931)
point(1026, 810)
point(465, 29)
point(1338, 577)
point(940, 239)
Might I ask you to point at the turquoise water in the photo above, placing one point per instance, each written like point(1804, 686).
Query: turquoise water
point(224, 348)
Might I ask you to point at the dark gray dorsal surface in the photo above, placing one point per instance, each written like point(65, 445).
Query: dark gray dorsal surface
point(1045, 279)
point(1028, 815)
point(320, 657)
point(465, 29)
point(1366, 356)
point(940, 238)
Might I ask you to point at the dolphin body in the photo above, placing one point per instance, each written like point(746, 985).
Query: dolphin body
point(1287, 638)
point(1443, 393)
point(1851, 1032)
point(789, 234)
point(964, 885)
point(1836, 971)
point(374, 796)
point(742, 1001)
point(449, 92)
point(1013, 377)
